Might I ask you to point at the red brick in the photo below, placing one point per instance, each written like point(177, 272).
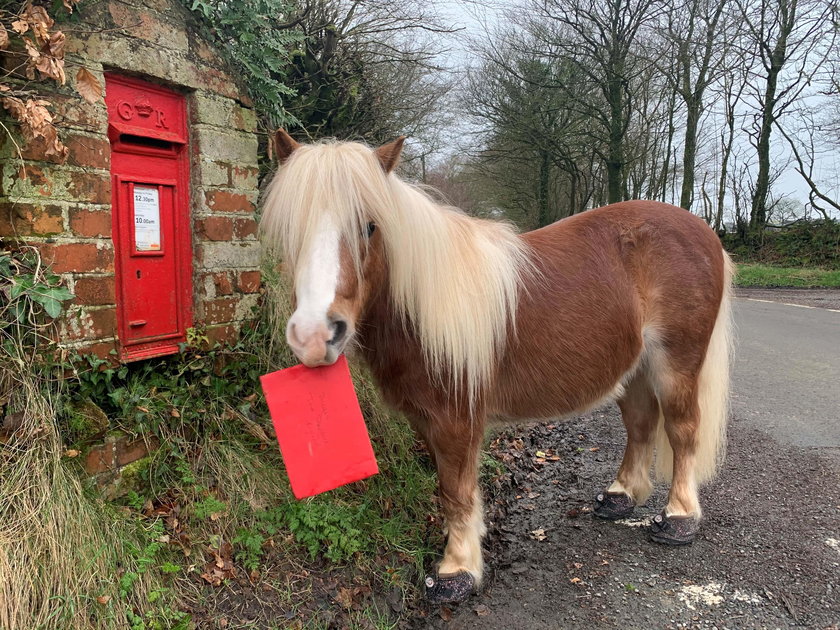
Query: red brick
point(222, 282)
point(222, 334)
point(80, 257)
point(224, 201)
point(220, 310)
point(130, 451)
point(100, 459)
point(90, 222)
point(88, 151)
point(25, 219)
point(249, 281)
point(95, 291)
point(215, 228)
point(243, 228)
point(244, 176)
point(87, 324)
point(90, 187)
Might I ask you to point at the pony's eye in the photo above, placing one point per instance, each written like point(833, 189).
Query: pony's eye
point(371, 228)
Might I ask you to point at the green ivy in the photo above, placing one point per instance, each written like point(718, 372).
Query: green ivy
point(252, 35)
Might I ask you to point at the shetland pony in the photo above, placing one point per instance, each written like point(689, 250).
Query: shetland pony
point(462, 322)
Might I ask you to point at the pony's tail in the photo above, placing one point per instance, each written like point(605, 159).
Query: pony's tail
point(712, 398)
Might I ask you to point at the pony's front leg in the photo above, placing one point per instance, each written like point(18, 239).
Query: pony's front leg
point(455, 446)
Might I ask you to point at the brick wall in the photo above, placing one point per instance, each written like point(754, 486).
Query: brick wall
point(65, 209)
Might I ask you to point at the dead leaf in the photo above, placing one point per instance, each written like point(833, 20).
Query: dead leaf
point(594, 449)
point(481, 610)
point(88, 85)
point(4, 38)
point(175, 413)
point(540, 453)
point(71, 453)
point(575, 580)
point(143, 409)
point(70, 4)
point(20, 26)
point(538, 534)
point(345, 598)
point(103, 599)
point(445, 613)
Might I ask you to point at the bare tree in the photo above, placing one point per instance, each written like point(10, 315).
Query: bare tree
point(699, 32)
point(786, 35)
point(602, 40)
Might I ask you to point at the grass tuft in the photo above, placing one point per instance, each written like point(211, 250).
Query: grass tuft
point(756, 275)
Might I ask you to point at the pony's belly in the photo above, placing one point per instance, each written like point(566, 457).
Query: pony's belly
point(552, 403)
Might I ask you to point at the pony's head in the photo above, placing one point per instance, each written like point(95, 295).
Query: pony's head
point(350, 229)
point(323, 209)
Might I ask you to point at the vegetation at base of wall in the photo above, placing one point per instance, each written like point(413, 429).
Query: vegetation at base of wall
point(804, 244)
point(210, 504)
point(756, 275)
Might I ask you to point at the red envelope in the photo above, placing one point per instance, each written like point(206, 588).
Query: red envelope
point(319, 426)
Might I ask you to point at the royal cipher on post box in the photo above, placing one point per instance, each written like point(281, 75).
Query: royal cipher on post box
point(147, 127)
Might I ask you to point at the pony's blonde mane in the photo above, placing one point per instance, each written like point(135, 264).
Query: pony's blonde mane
point(455, 278)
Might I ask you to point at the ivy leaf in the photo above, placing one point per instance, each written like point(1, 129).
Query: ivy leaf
point(88, 85)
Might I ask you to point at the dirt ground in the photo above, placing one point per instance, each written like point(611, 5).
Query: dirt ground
point(767, 556)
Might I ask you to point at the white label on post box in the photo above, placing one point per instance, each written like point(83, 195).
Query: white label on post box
point(146, 219)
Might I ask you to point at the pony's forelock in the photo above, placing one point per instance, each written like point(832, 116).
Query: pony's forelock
point(455, 278)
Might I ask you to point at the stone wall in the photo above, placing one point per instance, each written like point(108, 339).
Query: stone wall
point(65, 209)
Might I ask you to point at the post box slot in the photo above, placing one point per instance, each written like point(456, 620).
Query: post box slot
point(143, 141)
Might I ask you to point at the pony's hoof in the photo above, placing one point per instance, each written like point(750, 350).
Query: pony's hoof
point(452, 589)
point(613, 506)
point(673, 530)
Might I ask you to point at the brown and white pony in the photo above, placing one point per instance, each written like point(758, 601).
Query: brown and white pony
point(464, 322)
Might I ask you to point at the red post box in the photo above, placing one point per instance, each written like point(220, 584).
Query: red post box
point(147, 126)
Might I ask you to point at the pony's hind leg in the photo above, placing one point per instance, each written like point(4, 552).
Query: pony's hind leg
point(455, 447)
point(677, 524)
point(640, 413)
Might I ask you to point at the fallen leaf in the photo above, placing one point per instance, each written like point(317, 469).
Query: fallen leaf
point(4, 37)
point(445, 613)
point(345, 598)
point(88, 85)
point(71, 453)
point(594, 448)
point(103, 599)
point(538, 534)
point(540, 453)
point(175, 413)
point(143, 409)
point(481, 610)
point(575, 580)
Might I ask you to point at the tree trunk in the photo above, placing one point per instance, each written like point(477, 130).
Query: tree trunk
point(615, 151)
point(542, 192)
point(690, 152)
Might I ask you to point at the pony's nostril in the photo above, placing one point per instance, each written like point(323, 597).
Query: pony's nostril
point(339, 328)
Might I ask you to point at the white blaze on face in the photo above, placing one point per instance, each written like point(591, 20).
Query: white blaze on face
point(309, 330)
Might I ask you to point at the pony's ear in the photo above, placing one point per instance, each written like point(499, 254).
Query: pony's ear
point(284, 144)
point(389, 154)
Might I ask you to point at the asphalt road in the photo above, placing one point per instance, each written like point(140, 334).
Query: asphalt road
point(768, 552)
point(787, 373)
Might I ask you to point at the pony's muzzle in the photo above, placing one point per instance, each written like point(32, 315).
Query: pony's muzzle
point(317, 344)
